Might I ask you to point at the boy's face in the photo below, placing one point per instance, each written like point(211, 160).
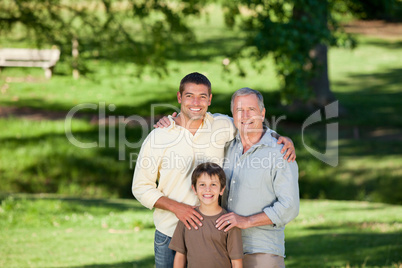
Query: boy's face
point(208, 189)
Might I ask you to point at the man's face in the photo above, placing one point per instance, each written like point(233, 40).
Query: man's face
point(194, 101)
point(247, 114)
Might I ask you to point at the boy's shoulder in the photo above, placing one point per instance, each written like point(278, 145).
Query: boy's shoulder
point(224, 211)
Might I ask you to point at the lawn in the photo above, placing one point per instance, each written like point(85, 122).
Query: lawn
point(52, 231)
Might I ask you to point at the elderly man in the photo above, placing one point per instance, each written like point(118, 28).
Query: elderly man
point(262, 192)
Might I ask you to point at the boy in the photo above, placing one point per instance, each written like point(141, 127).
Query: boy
point(207, 246)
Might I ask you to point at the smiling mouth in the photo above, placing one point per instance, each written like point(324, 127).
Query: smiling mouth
point(207, 195)
point(195, 110)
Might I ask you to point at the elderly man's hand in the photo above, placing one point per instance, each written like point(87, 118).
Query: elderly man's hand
point(288, 147)
point(230, 220)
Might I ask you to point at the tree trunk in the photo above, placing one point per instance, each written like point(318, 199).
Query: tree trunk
point(75, 53)
point(320, 83)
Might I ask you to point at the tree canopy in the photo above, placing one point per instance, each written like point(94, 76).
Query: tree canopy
point(296, 32)
point(108, 28)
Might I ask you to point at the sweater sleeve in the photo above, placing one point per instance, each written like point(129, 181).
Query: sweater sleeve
point(146, 174)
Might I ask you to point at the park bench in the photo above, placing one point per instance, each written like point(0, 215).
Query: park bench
point(22, 57)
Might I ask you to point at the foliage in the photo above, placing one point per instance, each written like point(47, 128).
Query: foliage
point(290, 30)
point(143, 32)
point(390, 10)
point(149, 32)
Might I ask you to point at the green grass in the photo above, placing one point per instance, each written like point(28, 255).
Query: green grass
point(54, 231)
point(367, 82)
point(68, 232)
point(37, 157)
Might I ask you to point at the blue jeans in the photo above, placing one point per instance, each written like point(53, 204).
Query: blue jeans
point(164, 256)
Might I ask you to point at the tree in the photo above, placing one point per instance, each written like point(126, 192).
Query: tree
point(390, 10)
point(297, 33)
point(141, 31)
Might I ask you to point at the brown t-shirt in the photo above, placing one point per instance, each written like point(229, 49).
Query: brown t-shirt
point(208, 247)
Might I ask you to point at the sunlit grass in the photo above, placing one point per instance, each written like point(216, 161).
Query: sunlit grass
point(70, 232)
point(49, 231)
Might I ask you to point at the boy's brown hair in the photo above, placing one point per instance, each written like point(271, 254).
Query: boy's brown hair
point(211, 169)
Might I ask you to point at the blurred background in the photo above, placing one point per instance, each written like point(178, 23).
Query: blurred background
point(119, 58)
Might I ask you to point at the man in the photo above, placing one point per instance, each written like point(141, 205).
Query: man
point(168, 156)
point(262, 192)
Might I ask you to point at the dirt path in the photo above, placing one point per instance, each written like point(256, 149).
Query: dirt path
point(378, 28)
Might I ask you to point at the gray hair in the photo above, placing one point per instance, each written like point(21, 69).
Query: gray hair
point(248, 91)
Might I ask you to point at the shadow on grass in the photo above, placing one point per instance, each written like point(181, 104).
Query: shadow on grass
point(78, 204)
point(318, 181)
point(65, 169)
point(188, 52)
point(341, 249)
point(383, 43)
point(147, 262)
point(373, 105)
point(38, 106)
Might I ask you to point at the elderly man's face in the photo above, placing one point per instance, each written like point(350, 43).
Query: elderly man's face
point(247, 114)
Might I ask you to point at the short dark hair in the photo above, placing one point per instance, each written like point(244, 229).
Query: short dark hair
point(195, 78)
point(211, 169)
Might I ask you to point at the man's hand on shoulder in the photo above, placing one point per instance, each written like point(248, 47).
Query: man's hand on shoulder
point(230, 220)
point(164, 121)
point(288, 147)
point(185, 213)
point(188, 215)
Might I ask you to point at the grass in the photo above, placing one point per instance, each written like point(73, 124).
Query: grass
point(54, 231)
point(367, 81)
point(67, 232)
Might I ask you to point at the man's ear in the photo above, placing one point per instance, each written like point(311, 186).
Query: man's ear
point(223, 189)
point(178, 97)
point(210, 99)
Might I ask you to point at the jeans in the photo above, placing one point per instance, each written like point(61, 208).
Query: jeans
point(164, 256)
